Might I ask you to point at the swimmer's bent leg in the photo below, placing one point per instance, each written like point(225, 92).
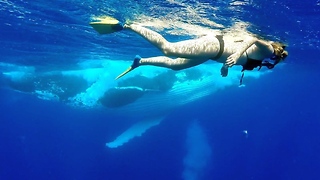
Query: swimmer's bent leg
point(205, 47)
point(153, 37)
point(163, 61)
point(174, 64)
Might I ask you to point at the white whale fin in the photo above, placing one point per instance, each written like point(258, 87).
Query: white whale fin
point(134, 131)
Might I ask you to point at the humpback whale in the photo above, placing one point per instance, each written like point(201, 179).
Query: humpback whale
point(146, 94)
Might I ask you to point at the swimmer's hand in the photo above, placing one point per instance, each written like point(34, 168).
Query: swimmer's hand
point(232, 59)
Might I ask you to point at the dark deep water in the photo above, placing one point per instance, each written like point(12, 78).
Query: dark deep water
point(50, 140)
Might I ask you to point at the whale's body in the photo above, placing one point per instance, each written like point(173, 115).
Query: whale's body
point(147, 94)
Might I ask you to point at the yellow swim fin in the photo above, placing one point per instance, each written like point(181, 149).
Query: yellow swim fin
point(125, 72)
point(134, 65)
point(106, 25)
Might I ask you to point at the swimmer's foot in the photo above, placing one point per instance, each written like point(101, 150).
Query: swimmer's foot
point(127, 24)
point(224, 71)
point(135, 64)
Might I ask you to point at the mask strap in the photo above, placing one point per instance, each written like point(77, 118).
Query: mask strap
point(241, 79)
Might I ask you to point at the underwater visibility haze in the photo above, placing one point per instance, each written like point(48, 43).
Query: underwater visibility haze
point(64, 116)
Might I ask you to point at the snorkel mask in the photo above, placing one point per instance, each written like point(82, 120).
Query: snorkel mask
point(279, 55)
point(269, 63)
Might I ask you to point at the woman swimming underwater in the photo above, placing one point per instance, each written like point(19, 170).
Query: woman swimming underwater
point(245, 50)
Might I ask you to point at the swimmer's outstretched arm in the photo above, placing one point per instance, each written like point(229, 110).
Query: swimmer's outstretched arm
point(263, 46)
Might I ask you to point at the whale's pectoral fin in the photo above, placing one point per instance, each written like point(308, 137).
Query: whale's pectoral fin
point(136, 130)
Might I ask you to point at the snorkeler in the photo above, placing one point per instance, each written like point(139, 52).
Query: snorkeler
point(247, 51)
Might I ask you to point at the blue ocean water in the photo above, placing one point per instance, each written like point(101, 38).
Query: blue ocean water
point(44, 135)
